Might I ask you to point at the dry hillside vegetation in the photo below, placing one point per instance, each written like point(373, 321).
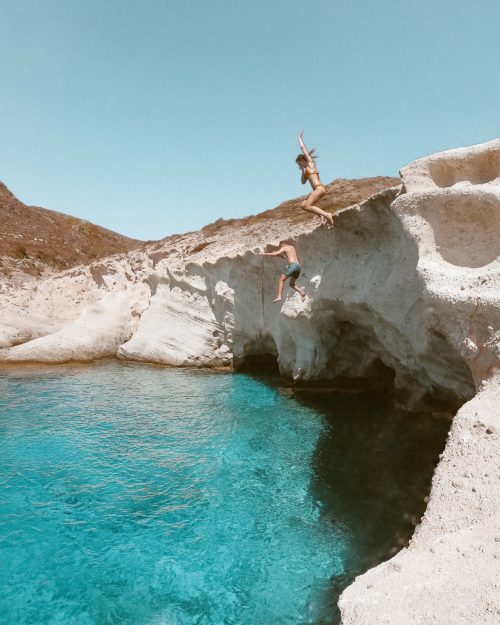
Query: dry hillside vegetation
point(340, 194)
point(37, 237)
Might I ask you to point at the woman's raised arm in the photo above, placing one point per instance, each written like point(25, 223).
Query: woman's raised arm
point(305, 151)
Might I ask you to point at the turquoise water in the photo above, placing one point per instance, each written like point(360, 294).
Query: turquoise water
point(136, 495)
point(146, 496)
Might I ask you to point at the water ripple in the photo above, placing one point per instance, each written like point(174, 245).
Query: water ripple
point(144, 496)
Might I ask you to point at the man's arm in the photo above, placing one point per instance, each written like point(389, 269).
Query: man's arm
point(277, 253)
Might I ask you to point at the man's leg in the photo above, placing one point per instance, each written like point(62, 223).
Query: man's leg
point(281, 284)
point(299, 289)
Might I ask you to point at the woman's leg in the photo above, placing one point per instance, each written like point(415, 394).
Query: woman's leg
point(281, 284)
point(309, 205)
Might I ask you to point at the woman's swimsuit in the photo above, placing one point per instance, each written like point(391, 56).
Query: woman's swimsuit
point(292, 270)
point(311, 172)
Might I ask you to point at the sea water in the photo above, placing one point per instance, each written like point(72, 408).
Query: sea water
point(138, 495)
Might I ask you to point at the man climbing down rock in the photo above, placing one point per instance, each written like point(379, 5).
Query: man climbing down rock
point(292, 269)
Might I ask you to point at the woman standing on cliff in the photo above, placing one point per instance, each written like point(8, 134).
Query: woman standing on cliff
point(307, 166)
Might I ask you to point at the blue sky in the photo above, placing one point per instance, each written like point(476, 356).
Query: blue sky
point(154, 117)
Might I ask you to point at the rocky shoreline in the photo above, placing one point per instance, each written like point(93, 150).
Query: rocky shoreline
point(404, 290)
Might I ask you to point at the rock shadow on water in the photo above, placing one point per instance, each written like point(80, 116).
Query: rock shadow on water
point(373, 466)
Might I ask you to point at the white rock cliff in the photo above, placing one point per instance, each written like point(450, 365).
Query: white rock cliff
point(404, 289)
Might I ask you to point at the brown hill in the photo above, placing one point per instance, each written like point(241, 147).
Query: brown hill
point(38, 237)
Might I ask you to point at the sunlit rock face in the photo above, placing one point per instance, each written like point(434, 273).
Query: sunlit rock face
point(372, 306)
point(403, 291)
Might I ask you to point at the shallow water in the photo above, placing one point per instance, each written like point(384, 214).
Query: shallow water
point(137, 495)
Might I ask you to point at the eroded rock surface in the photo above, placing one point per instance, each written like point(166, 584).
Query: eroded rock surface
point(404, 290)
point(450, 573)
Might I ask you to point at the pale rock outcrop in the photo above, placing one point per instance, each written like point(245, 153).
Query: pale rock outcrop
point(179, 328)
point(16, 329)
point(450, 573)
point(405, 289)
point(41, 307)
point(98, 332)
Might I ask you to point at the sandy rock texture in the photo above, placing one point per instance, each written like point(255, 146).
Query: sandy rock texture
point(403, 291)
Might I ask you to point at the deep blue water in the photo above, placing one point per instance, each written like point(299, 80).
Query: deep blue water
point(137, 495)
point(147, 496)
